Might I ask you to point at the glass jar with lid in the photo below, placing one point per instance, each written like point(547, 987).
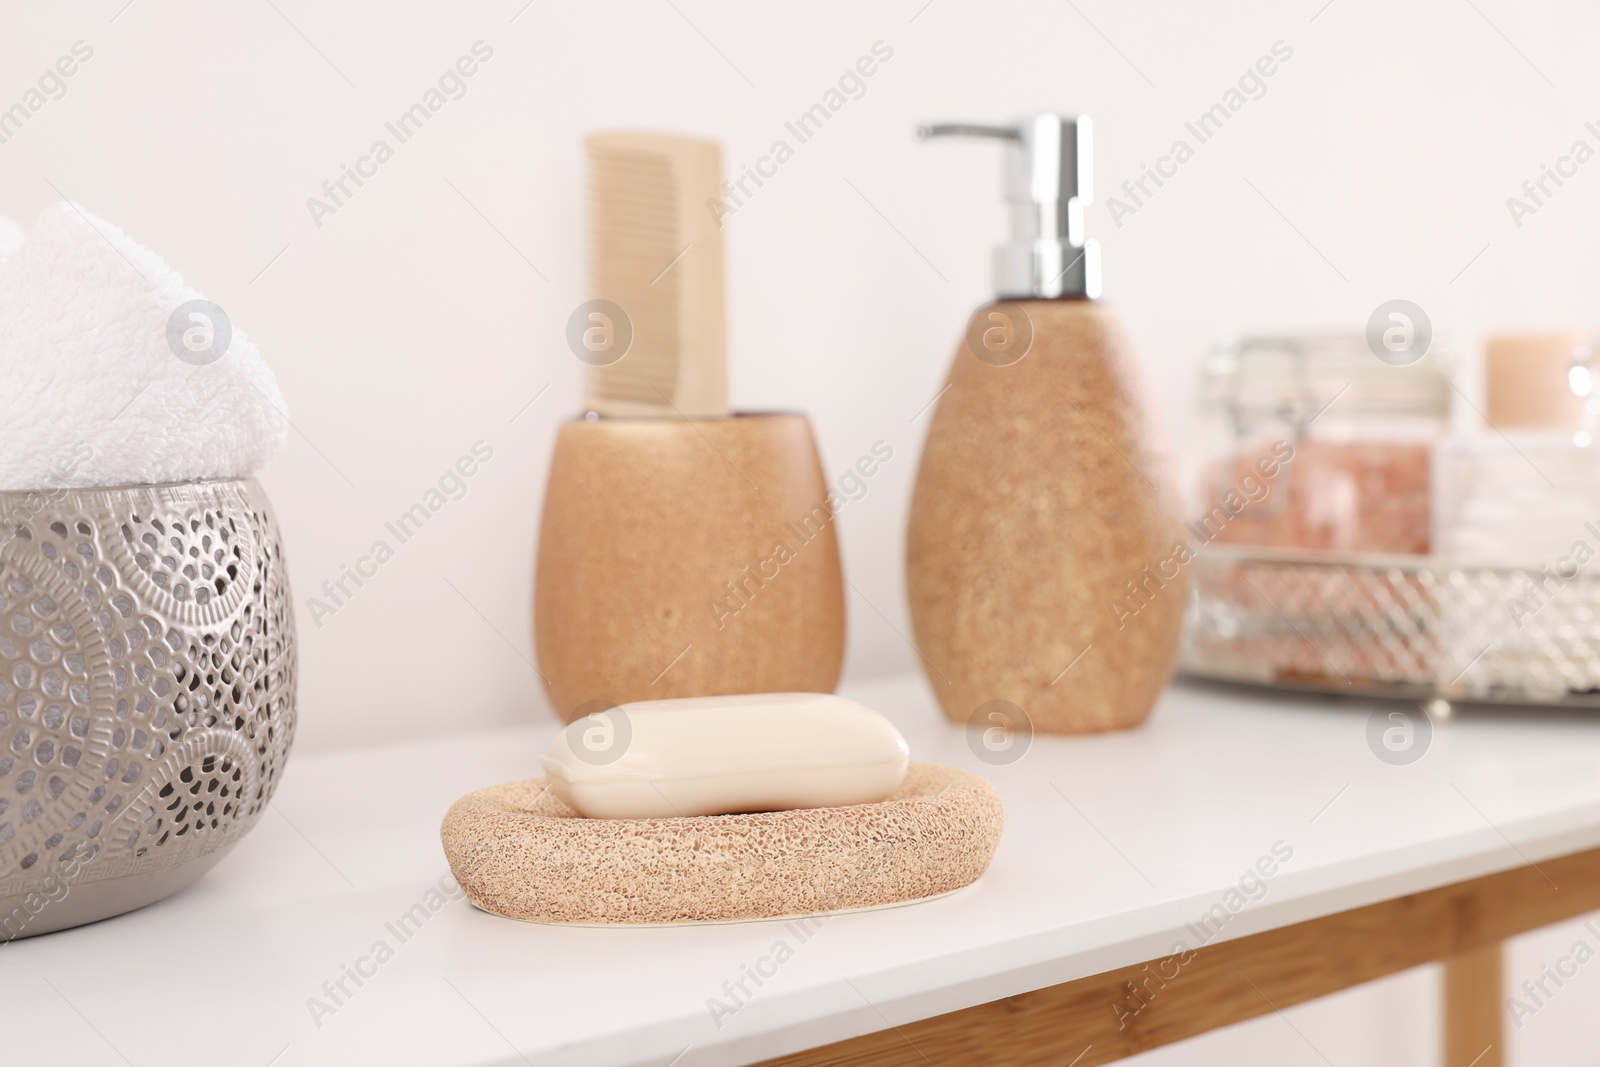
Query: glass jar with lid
point(1316, 444)
point(1524, 489)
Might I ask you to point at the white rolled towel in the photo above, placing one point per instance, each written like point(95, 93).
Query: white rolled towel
point(113, 372)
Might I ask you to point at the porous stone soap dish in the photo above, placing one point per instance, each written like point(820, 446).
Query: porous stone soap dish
point(519, 851)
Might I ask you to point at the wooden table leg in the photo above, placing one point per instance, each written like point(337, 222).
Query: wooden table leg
point(1473, 1007)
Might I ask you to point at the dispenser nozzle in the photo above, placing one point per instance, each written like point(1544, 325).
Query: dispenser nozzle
point(1048, 183)
point(967, 129)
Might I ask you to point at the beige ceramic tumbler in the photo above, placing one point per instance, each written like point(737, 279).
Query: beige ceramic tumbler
point(686, 558)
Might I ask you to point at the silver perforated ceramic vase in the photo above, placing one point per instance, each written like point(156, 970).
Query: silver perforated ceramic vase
point(147, 692)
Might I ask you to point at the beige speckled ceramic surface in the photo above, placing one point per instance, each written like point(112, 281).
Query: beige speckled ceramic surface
point(1044, 564)
point(518, 851)
point(682, 558)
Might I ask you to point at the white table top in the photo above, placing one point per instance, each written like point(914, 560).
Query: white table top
point(1112, 845)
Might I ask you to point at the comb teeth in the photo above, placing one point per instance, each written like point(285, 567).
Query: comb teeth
point(656, 252)
point(633, 196)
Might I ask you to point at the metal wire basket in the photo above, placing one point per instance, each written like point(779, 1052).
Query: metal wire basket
point(1395, 626)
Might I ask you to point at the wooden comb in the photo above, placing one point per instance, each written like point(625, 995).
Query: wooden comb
point(656, 253)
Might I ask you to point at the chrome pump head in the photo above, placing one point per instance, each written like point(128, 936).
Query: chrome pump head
point(1048, 184)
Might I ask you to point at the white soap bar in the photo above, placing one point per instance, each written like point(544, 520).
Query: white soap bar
point(719, 755)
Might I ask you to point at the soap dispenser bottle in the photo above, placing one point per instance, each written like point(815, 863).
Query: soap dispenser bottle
point(1045, 565)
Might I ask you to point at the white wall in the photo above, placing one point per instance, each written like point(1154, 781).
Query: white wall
point(409, 326)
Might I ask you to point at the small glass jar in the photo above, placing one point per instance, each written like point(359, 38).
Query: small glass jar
point(1316, 444)
point(1524, 489)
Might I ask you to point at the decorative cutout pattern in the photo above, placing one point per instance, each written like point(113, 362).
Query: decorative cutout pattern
point(1393, 626)
point(147, 677)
